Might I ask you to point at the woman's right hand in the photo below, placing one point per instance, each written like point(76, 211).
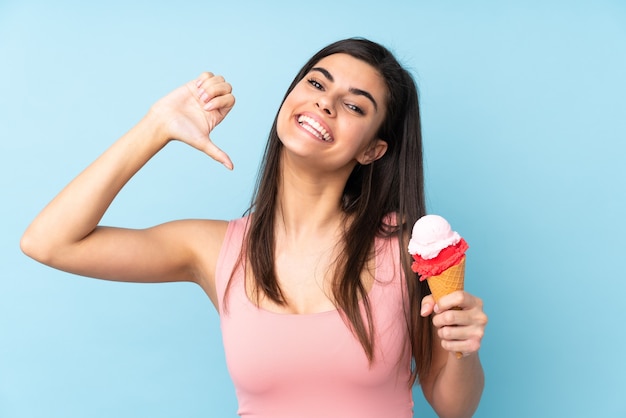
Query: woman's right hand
point(191, 112)
point(66, 233)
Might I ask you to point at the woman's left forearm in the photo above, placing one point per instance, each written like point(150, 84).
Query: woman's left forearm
point(458, 387)
point(455, 383)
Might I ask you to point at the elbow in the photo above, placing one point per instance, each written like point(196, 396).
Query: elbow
point(35, 248)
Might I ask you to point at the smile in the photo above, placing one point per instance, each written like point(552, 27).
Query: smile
point(312, 126)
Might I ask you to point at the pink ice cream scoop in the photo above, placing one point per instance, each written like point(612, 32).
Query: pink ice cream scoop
point(435, 247)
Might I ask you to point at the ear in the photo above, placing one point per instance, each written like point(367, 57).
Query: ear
point(376, 150)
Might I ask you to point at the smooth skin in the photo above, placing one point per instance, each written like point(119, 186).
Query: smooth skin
point(66, 234)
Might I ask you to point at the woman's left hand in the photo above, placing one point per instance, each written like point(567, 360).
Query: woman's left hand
point(459, 320)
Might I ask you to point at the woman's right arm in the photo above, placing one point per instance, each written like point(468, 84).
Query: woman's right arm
point(66, 235)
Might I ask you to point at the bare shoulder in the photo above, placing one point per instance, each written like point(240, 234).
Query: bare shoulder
point(203, 238)
point(185, 250)
point(200, 236)
point(199, 241)
point(208, 231)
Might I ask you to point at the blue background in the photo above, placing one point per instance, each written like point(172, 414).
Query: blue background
point(525, 130)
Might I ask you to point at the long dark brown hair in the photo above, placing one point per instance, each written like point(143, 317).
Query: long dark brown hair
point(393, 184)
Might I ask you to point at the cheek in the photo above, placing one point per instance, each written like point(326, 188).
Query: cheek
point(286, 109)
point(361, 134)
point(283, 117)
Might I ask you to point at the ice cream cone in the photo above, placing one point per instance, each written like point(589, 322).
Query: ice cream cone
point(447, 282)
point(438, 256)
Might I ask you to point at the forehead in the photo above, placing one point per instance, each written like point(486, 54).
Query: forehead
point(354, 73)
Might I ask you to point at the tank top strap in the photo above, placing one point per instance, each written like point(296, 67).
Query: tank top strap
point(229, 255)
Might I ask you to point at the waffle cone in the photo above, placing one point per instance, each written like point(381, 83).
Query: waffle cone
point(447, 282)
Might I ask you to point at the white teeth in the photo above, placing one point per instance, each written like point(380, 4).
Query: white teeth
point(314, 127)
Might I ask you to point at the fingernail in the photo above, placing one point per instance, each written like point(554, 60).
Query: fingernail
point(198, 83)
point(425, 308)
point(208, 106)
point(204, 97)
point(436, 308)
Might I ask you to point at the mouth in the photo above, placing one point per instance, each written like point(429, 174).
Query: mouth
point(315, 128)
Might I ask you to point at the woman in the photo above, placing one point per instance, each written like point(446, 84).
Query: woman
point(321, 314)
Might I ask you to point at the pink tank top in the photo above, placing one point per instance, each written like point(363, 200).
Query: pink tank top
point(311, 365)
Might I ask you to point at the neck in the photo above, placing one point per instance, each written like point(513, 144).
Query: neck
point(309, 202)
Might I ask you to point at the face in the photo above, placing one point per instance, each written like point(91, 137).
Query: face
point(333, 114)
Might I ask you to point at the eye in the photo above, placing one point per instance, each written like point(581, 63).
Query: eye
point(355, 108)
point(315, 83)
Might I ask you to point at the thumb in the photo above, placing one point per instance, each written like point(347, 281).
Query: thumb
point(217, 154)
point(428, 305)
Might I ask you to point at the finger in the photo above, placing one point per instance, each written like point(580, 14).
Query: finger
point(213, 87)
point(207, 97)
point(449, 301)
point(450, 318)
point(208, 77)
point(473, 321)
point(203, 77)
point(428, 305)
point(224, 103)
point(461, 332)
point(458, 300)
point(217, 154)
point(465, 347)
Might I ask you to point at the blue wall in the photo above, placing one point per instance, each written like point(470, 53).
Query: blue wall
point(524, 120)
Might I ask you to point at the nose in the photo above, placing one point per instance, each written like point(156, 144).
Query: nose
point(324, 103)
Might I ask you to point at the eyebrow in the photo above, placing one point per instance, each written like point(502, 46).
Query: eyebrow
point(352, 90)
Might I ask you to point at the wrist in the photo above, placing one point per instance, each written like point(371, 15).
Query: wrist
point(154, 127)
